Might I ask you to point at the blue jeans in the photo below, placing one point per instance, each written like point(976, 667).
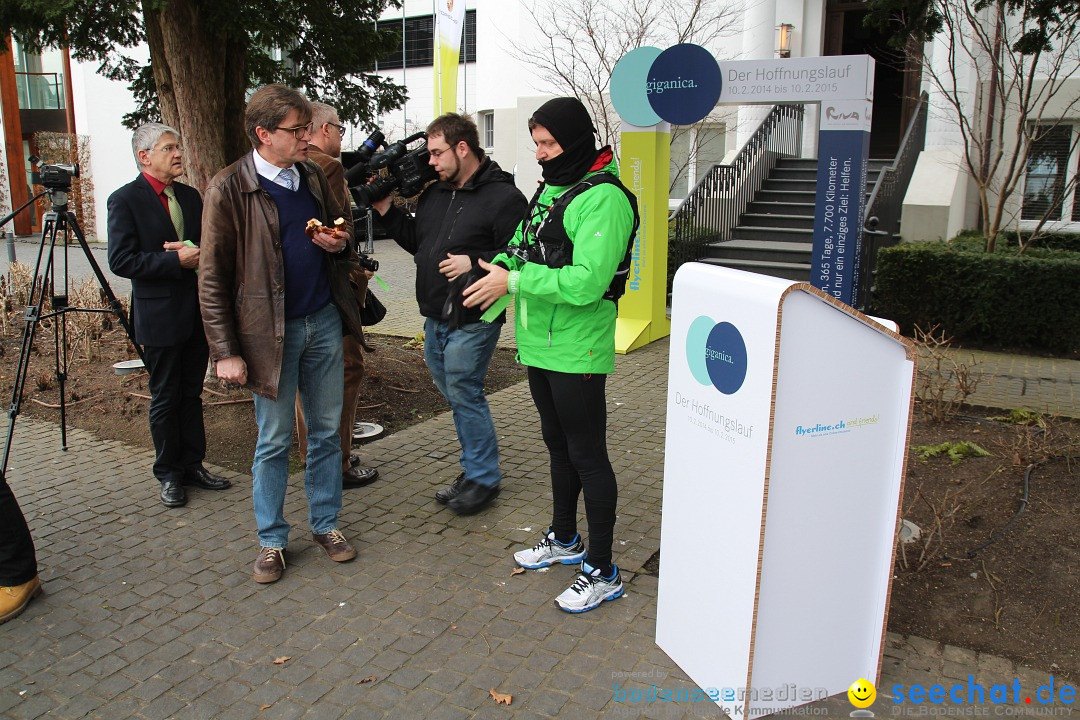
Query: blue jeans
point(458, 360)
point(312, 362)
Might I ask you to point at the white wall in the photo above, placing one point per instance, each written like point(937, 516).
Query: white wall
point(100, 105)
point(5, 194)
point(934, 206)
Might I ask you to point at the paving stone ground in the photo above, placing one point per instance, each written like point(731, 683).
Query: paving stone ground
point(151, 612)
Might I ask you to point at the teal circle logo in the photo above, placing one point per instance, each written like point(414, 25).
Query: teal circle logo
point(628, 76)
point(716, 354)
point(680, 85)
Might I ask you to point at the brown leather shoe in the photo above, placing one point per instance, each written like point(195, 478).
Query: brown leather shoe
point(14, 599)
point(269, 565)
point(336, 546)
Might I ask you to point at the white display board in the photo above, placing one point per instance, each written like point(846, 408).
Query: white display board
point(787, 424)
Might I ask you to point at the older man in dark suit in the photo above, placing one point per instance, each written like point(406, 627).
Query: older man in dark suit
point(154, 229)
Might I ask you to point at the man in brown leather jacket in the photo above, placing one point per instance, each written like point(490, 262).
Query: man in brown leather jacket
point(324, 149)
point(274, 303)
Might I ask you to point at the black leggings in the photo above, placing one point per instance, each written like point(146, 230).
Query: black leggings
point(573, 421)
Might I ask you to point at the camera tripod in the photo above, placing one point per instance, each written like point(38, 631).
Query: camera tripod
point(57, 223)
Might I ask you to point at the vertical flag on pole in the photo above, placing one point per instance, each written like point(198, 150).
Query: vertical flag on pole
point(449, 18)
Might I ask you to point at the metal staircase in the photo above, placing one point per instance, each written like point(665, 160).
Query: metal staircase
point(757, 213)
point(775, 235)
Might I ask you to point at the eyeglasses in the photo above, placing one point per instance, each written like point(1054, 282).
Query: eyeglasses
point(299, 131)
point(168, 149)
point(438, 153)
point(340, 128)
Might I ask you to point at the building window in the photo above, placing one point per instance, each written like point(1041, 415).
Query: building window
point(39, 78)
point(1051, 173)
point(418, 36)
point(487, 129)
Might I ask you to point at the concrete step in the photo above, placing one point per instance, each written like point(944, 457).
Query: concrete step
point(773, 234)
point(794, 173)
point(763, 251)
point(778, 220)
point(800, 197)
point(791, 163)
point(787, 185)
point(798, 272)
point(781, 208)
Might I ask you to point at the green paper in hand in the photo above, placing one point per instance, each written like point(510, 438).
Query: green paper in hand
point(496, 309)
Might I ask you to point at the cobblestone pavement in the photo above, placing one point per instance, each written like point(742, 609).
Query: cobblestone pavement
point(151, 612)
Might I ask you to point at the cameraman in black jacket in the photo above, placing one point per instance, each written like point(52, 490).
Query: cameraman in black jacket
point(470, 213)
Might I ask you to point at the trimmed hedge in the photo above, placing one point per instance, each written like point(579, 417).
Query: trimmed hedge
point(1001, 300)
point(1007, 242)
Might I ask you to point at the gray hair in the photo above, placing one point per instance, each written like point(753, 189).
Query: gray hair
point(147, 136)
point(321, 113)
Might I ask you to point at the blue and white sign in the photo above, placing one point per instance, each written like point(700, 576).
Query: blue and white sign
point(844, 85)
point(843, 148)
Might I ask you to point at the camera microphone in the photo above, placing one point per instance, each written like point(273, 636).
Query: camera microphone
point(359, 171)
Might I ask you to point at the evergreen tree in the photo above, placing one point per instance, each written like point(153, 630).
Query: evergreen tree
point(206, 54)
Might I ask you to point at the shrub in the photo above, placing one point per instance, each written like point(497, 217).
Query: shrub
point(999, 299)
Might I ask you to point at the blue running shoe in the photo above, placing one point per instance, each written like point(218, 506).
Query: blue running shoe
point(550, 551)
point(589, 590)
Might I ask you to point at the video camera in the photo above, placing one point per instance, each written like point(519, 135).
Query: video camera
point(53, 177)
point(409, 171)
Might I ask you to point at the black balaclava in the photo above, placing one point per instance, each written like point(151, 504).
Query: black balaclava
point(569, 123)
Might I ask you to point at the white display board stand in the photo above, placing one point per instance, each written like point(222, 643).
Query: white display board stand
point(787, 427)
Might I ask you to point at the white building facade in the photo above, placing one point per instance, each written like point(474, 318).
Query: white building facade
point(500, 87)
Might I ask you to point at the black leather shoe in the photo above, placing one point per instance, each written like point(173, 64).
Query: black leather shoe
point(473, 498)
point(449, 493)
point(205, 479)
point(358, 476)
point(354, 460)
point(172, 494)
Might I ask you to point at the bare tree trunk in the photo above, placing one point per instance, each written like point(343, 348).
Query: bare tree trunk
point(236, 139)
point(189, 63)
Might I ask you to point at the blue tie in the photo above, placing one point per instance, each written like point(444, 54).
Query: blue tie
point(285, 178)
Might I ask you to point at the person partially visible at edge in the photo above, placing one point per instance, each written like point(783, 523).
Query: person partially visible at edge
point(274, 305)
point(324, 149)
point(19, 583)
point(155, 227)
point(565, 312)
point(463, 219)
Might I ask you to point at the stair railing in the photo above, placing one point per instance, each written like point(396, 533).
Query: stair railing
point(711, 210)
point(883, 209)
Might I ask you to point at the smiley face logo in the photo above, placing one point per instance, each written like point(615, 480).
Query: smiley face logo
point(862, 693)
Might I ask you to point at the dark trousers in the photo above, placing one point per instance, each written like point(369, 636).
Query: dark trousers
point(176, 412)
point(18, 563)
point(573, 421)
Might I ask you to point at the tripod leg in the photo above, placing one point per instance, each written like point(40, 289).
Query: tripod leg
point(61, 356)
point(34, 304)
point(114, 304)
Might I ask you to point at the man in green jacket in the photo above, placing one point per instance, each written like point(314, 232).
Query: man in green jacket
point(565, 268)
